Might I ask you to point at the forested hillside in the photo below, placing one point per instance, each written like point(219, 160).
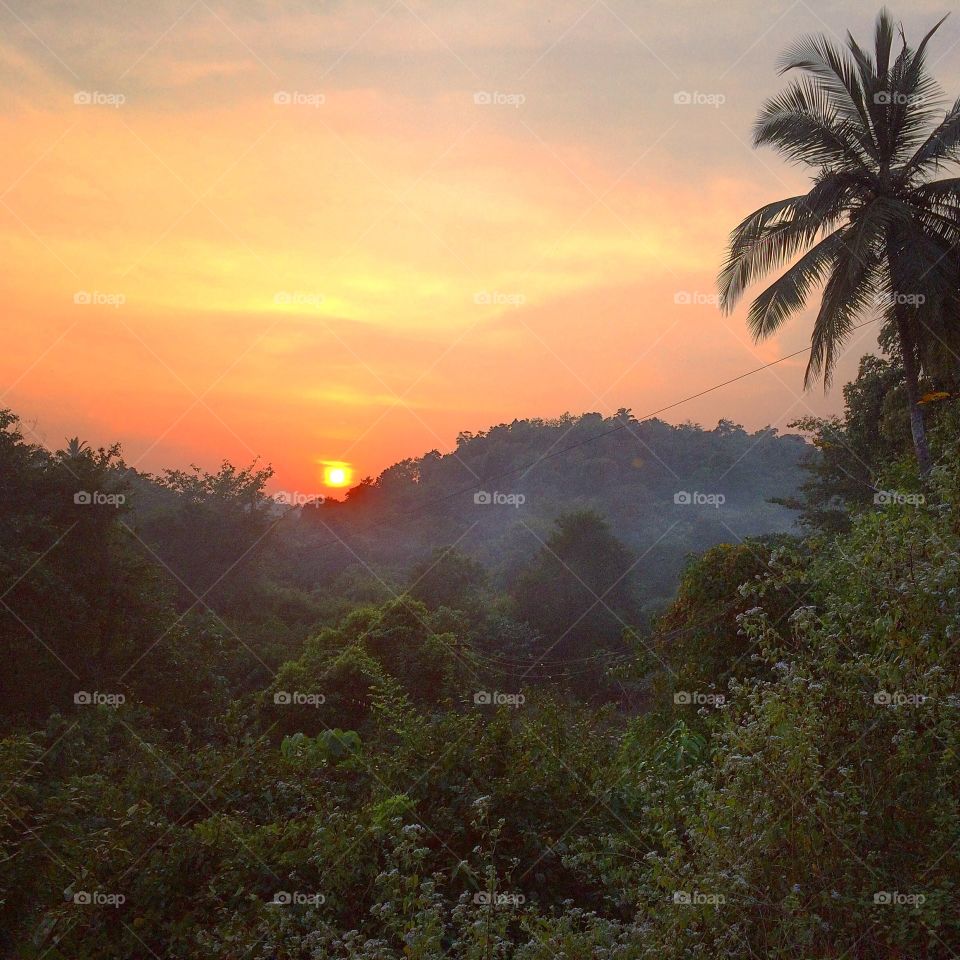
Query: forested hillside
point(585, 688)
point(228, 766)
point(667, 491)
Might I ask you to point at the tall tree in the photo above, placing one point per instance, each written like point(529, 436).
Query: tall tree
point(579, 591)
point(876, 230)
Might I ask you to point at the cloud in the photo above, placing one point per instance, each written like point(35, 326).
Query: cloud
point(398, 222)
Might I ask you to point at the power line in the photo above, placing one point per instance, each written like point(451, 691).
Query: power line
point(580, 443)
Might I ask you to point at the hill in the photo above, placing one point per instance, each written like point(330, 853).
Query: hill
point(666, 491)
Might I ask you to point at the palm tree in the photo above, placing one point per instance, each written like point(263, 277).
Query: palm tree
point(76, 448)
point(875, 230)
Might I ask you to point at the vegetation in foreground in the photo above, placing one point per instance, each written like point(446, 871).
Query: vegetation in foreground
point(878, 229)
point(219, 763)
point(768, 769)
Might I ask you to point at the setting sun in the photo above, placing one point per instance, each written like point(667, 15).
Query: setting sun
point(337, 474)
point(442, 698)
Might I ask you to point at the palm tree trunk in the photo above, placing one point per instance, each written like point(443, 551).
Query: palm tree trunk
point(911, 372)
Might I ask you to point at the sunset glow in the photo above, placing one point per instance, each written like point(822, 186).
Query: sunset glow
point(366, 231)
point(337, 475)
point(479, 479)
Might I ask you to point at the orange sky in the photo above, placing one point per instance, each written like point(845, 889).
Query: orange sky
point(305, 234)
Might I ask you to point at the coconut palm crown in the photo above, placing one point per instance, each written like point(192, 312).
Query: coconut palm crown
point(877, 232)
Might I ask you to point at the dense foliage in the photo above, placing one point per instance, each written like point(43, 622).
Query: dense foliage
point(231, 766)
point(665, 490)
point(880, 227)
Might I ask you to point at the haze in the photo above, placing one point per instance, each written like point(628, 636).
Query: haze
point(346, 232)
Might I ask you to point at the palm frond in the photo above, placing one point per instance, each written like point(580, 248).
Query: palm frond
point(941, 147)
point(776, 232)
point(869, 121)
point(883, 42)
point(837, 71)
point(935, 208)
point(924, 252)
point(789, 292)
point(847, 292)
point(851, 287)
point(802, 124)
point(870, 80)
point(911, 98)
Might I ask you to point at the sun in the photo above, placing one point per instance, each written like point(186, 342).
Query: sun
point(336, 473)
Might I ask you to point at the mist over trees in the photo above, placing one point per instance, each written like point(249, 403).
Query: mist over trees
point(665, 491)
point(581, 688)
point(454, 764)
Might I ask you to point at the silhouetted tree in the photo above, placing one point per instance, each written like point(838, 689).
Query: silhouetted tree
point(876, 229)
